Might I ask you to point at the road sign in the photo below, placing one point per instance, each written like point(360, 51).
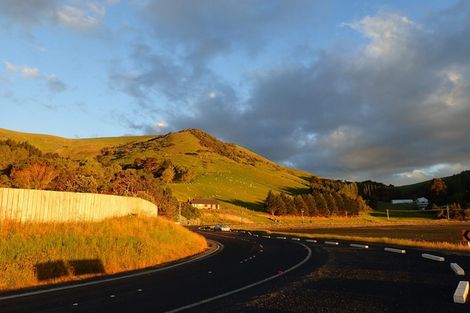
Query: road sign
point(465, 235)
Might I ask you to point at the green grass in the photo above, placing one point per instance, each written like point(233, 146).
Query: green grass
point(74, 148)
point(39, 253)
point(399, 211)
point(235, 184)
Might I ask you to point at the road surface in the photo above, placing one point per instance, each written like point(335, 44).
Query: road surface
point(276, 274)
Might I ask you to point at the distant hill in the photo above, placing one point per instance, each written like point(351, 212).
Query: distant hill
point(458, 188)
point(74, 148)
point(224, 171)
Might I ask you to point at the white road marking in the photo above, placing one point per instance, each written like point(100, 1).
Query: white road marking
point(311, 240)
point(395, 250)
point(433, 257)
point(261, 246)
point(461, 292)
point(457, 269)
point(333, 243)
point(261, 251)
point(209, 272)
point(220, 247)
point(281, 238)
point(139, 290)
point(112, 296)
point(75, 304)
point(296, 239)
point(356, 245)
point(189, 306)
point(266, 236)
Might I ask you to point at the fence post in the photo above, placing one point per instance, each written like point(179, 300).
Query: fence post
point(448, 216)
point(388, 216)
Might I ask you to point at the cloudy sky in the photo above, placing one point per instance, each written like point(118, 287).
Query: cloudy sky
point(358, 89)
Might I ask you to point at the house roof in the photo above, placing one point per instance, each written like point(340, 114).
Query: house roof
point(204, 201)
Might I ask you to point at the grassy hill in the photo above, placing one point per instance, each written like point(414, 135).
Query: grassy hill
point(74, 148)
point(232, 174)
point(458, 187)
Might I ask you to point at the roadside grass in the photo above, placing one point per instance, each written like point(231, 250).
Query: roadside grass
point(43, 253)
point(432, 245)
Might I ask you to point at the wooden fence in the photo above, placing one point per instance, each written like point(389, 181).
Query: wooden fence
point(55, 206)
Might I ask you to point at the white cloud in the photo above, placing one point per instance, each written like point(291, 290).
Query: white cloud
point(389, 33)
point(52, 82)
point(26, 71)
point(76, 18)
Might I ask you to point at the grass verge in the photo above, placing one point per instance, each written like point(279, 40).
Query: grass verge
point(44, 253)
point(432, 245)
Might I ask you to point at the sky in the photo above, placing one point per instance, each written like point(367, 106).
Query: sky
point(355, 90)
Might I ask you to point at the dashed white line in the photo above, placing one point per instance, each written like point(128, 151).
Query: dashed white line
point(296, 239)
point(433, 257)
point(457, 269)
point(395, 250)
point(309, 255)
point(266, 236)
point(311, 240)
point(75, 304)
point(112, 296)
point(356, 245)
point(281, 238)
point(333, 243)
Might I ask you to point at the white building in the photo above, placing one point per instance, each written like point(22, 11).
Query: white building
point(422, 203)
point(400, 201)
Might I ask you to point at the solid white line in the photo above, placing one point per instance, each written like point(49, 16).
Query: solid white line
point(334, 243)
point(356, 245)
point(220, 247)
point(189, 306)
point(457, 269)
point(395, 250)
point(433, 257)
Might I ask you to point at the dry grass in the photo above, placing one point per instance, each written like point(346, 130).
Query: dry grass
point(432, 245)
point(32, 251)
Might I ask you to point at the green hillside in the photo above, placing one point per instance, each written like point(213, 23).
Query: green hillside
point(227, 172)
point(458, 188)
point(74, 148)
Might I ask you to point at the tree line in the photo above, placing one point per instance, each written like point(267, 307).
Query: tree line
point(314, 204)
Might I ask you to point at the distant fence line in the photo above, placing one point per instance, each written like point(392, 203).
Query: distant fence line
point(27, 205)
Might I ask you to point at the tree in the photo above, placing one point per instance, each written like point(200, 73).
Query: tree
point(37, 175)
point(270, 203)
point(321, 204)
point(438, 191)
point(300, 205)
point(168, 175)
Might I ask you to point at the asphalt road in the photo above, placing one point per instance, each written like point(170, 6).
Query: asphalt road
point(328, 279)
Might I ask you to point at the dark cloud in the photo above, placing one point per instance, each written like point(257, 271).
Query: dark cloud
point(204, 29)
point(54, 84)
point(28, 12)
point(390, 110)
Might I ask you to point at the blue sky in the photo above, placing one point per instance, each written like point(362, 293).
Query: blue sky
point(344, 89)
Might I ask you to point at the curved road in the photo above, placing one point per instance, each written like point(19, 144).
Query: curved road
point(297, 275)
